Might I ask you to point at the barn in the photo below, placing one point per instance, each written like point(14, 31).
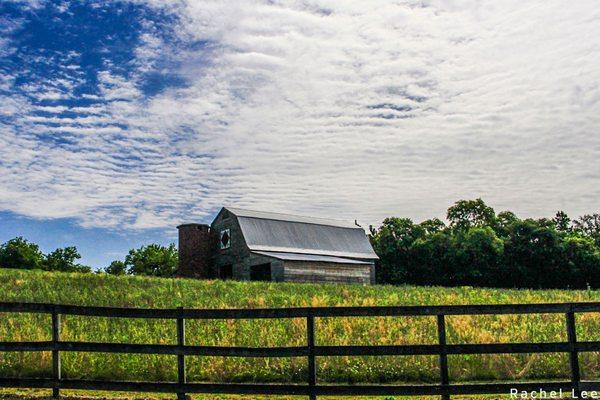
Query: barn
point(264, 246)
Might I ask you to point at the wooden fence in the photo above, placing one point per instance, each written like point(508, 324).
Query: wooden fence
point(311, 350)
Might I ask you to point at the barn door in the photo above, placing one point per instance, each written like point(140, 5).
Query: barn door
point(261, 272)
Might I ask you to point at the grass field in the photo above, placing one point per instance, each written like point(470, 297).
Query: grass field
point(30, 394)
point(102, 290)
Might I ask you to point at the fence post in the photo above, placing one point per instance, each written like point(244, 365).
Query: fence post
point(312, 366)
point(573, 355)
point(180, 357)
point(55, 353)
point(444, 376)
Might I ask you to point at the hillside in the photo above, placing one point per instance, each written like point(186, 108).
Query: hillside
point(104, 290)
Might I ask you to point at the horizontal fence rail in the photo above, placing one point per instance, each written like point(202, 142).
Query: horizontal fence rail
point(311, 350)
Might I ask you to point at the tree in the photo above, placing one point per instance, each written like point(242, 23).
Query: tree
point(19, 253)
point(63, 259)
point(432, 225)
point(116, 268)
point(583, 257)
point(504, 220)
point(432, 260)
point(589, 225)
point(392, 242)
point(154, 260)
point(534, 256)
point(478, 257)
point(562, 222)
point(465, 214)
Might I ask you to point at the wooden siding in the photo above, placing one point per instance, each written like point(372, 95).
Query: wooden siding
point(300, 271)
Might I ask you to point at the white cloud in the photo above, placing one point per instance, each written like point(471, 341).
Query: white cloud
point(343, 109)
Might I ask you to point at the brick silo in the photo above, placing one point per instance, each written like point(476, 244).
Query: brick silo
point(197, 245)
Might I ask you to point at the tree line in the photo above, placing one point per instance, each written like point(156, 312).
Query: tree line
point(153, 259)
point(477, 247)
point(20, 253)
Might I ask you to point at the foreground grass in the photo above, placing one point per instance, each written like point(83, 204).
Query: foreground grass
point(103, 290)
point(35, 394)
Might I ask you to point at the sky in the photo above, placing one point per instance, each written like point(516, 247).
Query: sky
point(121, 119)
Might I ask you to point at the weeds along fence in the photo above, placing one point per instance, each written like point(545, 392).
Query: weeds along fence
point(311, 351)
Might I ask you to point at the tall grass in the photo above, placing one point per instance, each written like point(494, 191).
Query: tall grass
point(103, 290)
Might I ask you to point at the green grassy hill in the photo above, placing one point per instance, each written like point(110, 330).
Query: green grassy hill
point(103, 290)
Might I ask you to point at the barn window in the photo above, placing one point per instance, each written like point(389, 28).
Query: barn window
point(260, 272)
point(225, 239)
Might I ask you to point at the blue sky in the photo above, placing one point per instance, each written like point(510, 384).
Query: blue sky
point(97, 246)
point(52, 54)
point(121, 119)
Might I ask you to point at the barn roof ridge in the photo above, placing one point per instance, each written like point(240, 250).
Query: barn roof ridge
point(245, 213)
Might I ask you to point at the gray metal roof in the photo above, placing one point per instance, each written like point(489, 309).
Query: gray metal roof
point(310, 257)
point(284, 233)
point(290, 218)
